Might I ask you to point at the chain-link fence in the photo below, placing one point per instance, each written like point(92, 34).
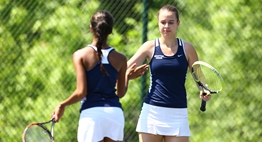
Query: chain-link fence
point(38, 38)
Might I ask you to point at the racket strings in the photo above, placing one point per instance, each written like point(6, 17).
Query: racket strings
point(208, 77)
point(36, 133)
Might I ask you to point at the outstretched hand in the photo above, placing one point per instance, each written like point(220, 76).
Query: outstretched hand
point(135, 72)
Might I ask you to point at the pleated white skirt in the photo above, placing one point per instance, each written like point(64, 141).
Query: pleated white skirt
point(163, 121)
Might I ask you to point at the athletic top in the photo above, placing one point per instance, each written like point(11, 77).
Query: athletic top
point(101, 88)
point(167, 78)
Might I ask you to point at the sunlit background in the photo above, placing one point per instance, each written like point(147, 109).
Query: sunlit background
point(38, 38)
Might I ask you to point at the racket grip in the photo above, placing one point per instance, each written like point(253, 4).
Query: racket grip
point(203, 106)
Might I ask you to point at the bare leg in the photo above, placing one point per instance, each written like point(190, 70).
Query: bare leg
point(175, 139)
point(146, 137)
point(106, 139)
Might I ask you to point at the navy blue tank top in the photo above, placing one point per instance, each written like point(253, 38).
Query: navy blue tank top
point(101, 88)
point(167, 80)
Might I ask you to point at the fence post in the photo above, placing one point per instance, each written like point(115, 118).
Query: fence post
point(144, 39)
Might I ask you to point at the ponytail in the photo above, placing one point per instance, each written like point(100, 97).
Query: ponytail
point(102, 25)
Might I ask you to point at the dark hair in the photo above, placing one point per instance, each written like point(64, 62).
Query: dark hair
point(102, 25)
point(170, 8)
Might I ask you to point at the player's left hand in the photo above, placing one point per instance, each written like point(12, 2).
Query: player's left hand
point(205, 95)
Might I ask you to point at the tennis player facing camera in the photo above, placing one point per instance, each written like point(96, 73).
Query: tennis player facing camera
point(99, 69)
point(164, 115)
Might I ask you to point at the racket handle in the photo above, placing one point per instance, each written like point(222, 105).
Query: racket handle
point(203, 106)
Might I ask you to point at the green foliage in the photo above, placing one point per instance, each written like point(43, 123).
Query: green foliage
point(39, 37)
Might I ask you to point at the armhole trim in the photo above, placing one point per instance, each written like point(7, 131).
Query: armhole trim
point(90, 45)
point(181, 43)
point(156, 43)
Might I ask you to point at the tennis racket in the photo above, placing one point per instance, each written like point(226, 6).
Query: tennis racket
point(37, 132)
point(207, 78)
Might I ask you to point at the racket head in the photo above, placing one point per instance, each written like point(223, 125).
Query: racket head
point(207, 77)
point(36, 132)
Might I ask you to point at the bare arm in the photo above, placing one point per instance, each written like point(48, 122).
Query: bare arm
point(81, 89)
point(191, 58)
point(122, 81)
point(191, 54)
point(143, 53)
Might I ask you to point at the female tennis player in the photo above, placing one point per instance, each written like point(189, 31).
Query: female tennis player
point(164, 115)
point(99, 69)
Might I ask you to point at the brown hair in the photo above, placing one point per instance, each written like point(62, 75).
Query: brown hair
point(102, 25)
point(170, 8)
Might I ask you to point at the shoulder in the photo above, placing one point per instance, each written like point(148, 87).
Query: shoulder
point(149, 43)
point(147, 47)
point(118, 55)
point(190, 53)
point(188, 45)
point(118, 60)
point(189, 48)
point(83, 52)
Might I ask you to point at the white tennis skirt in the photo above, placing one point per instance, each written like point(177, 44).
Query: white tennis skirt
point(99, 122)
point(163, 121)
